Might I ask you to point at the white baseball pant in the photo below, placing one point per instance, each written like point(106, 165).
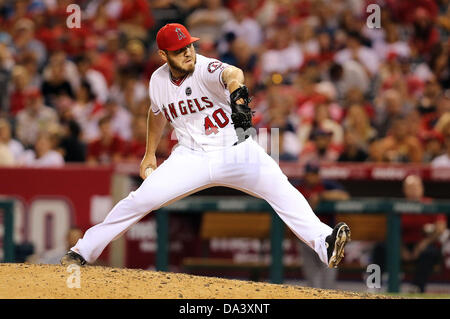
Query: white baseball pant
point(246, 167)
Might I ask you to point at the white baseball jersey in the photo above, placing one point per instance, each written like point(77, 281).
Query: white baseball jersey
point(197, 105)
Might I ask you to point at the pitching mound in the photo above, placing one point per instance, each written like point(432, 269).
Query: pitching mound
point(50, 281)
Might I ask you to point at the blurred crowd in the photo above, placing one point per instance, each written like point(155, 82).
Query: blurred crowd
point(336, 89)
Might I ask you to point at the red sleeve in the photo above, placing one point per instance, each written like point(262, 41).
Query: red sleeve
point(118, 146)
point(441, 218)
point(144, 7)
point(93, 149)
point(131, 9)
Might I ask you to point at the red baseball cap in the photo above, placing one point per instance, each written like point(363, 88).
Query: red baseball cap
point(174, 36)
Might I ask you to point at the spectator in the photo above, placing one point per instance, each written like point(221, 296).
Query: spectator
point(283, 57)
point(6, 156)
point(284, 141)
point(322, 121)
point(399, 146)
point(103, 17)
point(128, 90)
point(241, 55)
point(95, 79)
point(135, 18)
point(321, 102)
point(357, 121)
point(44, 154)
point(432, 146)
point(71, 146)
point(406, 11)
point(137, 59)
point(14, 146)
point(136, 147)
point(347, 76)
point(58, 62)
point(325, 54)
point(20, 80)
point(87, 112)
point(154, 62)
point(421, 237)
point(356, 96)
point(316, 50)
point(110, 56)
point(307, 39)
point(24, 41)
point(440, 64)
point(444, 159)
point(319, 148)
point(243, 26)
point(108, 148)
point(315, 189)
point(392, 44)
point(29, 61)
point(444, 19)
point(55, 84)
point(6, 66)
point(172, 11)
point(359, 53)
point(425, 34)
point(352, 150)
point(428, 102)
point(388, 108)
point(34, 118)
point(207, 22)
point(439, 116)
point(120, 119)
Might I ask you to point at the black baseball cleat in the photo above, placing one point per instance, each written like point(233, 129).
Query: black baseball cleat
point(335, 244)
point(72, 257)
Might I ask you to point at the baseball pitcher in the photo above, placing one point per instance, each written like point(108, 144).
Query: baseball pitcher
point(207, 104)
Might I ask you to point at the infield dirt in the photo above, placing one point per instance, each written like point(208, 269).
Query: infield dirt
point(26, 281)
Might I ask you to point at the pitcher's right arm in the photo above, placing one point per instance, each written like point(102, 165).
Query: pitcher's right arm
point(155, 127)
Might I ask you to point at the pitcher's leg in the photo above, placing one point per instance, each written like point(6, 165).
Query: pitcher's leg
point(248, 167)
point(178, 176)
point(295, 211)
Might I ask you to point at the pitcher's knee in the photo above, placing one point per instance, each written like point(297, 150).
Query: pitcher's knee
point(141, 203)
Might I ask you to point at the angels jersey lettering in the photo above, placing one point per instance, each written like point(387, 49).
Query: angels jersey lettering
point(197, 106)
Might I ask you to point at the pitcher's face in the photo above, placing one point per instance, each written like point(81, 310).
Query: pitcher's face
point(182, 60)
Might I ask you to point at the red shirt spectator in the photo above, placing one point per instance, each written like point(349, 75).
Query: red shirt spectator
point(413, 224)
point(404, 10)
point(104, 153)
point(17, 102)
point(108, 148)
point(315, 189)
point(135, 150)
point(320, 148)
point(426, 35)
point(20, 81)
point(137, 11)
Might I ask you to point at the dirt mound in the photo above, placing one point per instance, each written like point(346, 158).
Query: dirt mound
point(51, 281)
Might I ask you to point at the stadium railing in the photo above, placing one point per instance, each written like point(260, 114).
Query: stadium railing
point(7, 230)
point(392, 208)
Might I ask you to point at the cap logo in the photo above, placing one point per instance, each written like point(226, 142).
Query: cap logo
point(180, 34)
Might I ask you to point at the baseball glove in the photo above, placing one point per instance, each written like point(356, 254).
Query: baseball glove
point(241, 113)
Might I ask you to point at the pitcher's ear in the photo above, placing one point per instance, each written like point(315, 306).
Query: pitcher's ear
point(163, 55)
